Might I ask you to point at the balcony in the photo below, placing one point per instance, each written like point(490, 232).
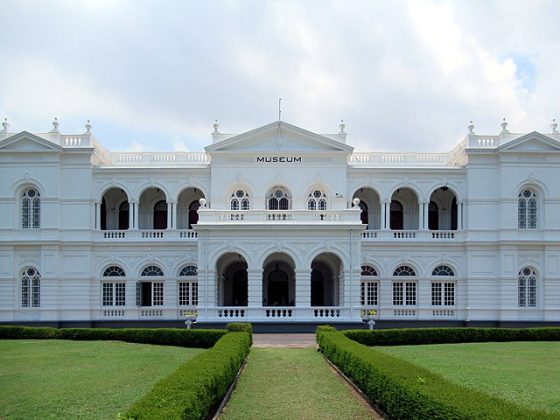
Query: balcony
point(146, 235)
point(295, 217)
point(413, 235)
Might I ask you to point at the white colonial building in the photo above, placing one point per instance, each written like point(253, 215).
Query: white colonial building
point(279, 224)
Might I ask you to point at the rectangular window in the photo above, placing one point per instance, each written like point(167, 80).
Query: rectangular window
point(449, 294)
point(25, 214)
point(398, 293)
point(114, 294)
point(158, 293)
point(25, 293)
point(410, 293)
point(188, 293)
point(369, 293)
point(522, 292)
point(532, 292)
point(436, 294)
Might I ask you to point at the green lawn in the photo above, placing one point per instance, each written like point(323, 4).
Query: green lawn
point(283, 383)
point(525, 373)
point(79, 379)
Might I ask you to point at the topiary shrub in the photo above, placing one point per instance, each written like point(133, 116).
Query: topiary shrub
point(406, 391)
point(196, 388)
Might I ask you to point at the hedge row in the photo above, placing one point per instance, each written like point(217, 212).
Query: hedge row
point(162, 336)
point(395, 337)
point(196, 388)
point(406, 391)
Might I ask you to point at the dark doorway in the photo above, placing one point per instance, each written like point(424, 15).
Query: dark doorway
point(364, 213)
point(193, 213)
point(239, 289)
point(160, 215)
point(103, 210)
point(397, 216)
point(146, 293)
point(278, 288)
point(317, 288)
point(454, 214)
point(433, 216)
point(123, 216)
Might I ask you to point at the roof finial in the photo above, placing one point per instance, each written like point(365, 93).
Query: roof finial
point(471, 128)
point(342, 126)
point(88, 127)
point(504, 125)
point(55, 125)
point(554, 126)
point(5, 125)
point(216, 126)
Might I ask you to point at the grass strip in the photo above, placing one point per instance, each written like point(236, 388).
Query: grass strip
point(280, 383)
point(75, 379)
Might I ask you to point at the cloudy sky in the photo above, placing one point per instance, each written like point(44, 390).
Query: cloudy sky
point(404, 75)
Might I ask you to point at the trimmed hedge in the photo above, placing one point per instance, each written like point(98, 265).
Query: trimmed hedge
point(406, 391)
point(241, 326)
point(162, 336)
point(196, 387)
point(404, 336)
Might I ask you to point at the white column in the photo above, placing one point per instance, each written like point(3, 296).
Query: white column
point(130, 215)
point(383, 212)
point(136, 206)
point(303, 287)
point(254, 287)
point(461, 216)
point(388, 215)
point(169, 213)
point(426, 213)
point(173, 216)
point(98, 216)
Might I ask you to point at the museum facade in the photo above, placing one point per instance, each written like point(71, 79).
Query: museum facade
point(279, 224)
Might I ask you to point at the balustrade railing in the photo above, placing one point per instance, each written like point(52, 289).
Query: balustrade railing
point(232, 312)
point(345, 216)
point(404, 235)
point(134, 235)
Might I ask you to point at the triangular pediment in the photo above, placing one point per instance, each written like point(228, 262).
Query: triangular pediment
point(27, 142)
point(531, 143)
point(279, 137)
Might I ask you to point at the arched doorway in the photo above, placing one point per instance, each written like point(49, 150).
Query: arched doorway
point(326, 272)
point(114, 210)
point(187, 207)
point(404, 210)
point(443, 209)
point(370, 206)
point(152, 209)
point(232, 280)
point(278, 280)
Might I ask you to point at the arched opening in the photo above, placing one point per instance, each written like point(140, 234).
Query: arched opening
point(278, 280)
point(279, 199)
point(442, 210)
point(152, 209)
point(232, 280)
point(187, 207)
point(370, 206)
point(326, 271)
point(404, 210)
point(114, 210)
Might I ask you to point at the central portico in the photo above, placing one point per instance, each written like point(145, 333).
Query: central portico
point(279, 241)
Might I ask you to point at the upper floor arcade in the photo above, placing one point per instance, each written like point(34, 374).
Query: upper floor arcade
point(496, 187)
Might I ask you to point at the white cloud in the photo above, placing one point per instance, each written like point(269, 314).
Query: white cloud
point(404, 75)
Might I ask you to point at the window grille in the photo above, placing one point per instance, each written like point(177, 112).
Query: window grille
point(443, 294)
point(31, 209)
point(239, 200)
point(527, 209)
point(278, 199)
point(527, 288)
point(152, 270)
point(114, 271)
point(404, 270)
point(443, 270)
point(317, 200)
point(30, 288)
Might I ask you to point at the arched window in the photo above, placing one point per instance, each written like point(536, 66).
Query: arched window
point(113, 293)
point(188, 286)
point(278, 199)
point(443, 292)
point(404, 293)
point(527, 209)
point(30, 288)
point(317, 200)
point(31, 209)
point(151, 270)
point(114, 271)
point(404, 270)
point(239, 200)
point(527, 288)
point(369, 292)
point(443, 270)
point(188, 270)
